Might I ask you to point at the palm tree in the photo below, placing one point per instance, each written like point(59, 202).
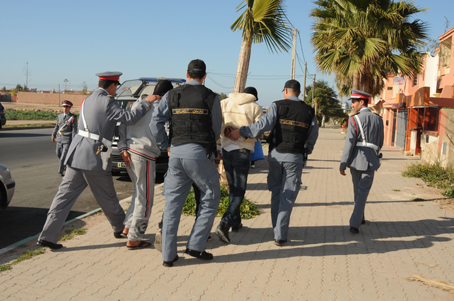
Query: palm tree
point(362, 41)
point(261, 21)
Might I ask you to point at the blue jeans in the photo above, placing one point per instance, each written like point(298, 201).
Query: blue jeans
point(236, 164)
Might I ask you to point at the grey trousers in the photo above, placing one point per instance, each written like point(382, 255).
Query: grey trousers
point(362, 182)
point(178, 181)
point(142, 174)
point(62, 150)
point(73, 184)
point(284, 182)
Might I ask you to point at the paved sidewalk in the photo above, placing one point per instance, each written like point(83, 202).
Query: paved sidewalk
point(322, 261)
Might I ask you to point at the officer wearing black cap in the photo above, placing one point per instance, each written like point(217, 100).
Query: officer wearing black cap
point(88, 160)
point(362, 153)
point(64, 131)
point(196, 121)
point(294, 133)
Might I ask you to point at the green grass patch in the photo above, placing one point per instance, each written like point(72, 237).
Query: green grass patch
point(247, 209)
point(12, 114)
point(71, 233)
point(434, 175)
point(26, 255)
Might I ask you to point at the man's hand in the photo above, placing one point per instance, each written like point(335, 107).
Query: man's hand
point(218, 159)
point(153, 98)
point(234, 135)
point(127, 158)
point(53, 139)
point(342, 172)
point(168, 152)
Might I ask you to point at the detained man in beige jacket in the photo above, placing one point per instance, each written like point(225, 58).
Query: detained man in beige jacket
point(240, 109)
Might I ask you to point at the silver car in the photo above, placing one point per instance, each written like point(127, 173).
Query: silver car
point(7, 185)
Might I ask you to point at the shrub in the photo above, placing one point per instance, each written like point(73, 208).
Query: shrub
point(434, 175)
point(247, 209)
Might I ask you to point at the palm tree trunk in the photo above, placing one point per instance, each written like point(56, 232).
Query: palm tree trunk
point(243, 66)
point(356, 81)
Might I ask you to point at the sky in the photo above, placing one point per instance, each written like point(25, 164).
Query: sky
point(73, 40)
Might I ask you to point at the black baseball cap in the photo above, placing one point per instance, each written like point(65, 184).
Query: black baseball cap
point(251, 90)
point(197, 66)
point(162, 87)
point(293, 84)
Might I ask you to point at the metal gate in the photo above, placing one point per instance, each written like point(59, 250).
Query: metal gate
point(401, 128)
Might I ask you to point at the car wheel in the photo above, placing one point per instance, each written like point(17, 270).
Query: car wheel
point(2, 197)
point(115, 172)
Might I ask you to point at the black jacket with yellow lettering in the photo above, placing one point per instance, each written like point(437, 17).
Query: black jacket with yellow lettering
point(292, 126)
point(190, 106)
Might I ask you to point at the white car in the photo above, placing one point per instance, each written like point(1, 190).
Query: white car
point(7, 185)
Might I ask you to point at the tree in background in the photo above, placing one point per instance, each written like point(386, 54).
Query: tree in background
point(19, 88)
point(222, 96)
point(326, 104)
point(362, 41)
point(4, 89)
point(261, 21)
point(84, 88)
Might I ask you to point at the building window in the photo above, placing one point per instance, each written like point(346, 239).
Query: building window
point(431, 119)
point(415, 81)
point(445, 53)
point(390, 88)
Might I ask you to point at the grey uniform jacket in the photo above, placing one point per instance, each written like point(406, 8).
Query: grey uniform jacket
point(360, 157)
point(66, 128)
point(101, 113)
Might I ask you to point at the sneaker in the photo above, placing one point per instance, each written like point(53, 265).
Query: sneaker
point(237, 227)
point(252, 165)
point(223, 232)
point(158, 241)
point(280, 242)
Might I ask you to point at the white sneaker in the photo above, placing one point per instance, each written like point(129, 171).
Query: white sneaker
point(252, 165)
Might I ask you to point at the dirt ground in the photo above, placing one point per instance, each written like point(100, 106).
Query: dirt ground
point(36, 107)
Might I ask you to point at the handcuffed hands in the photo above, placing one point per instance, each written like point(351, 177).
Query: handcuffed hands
point(232, 134)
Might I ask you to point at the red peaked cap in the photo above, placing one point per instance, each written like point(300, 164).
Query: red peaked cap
point(110, 75)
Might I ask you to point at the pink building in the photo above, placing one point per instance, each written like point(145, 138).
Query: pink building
point(411, 107)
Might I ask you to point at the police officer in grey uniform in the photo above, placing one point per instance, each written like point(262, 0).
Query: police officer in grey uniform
point(88, 160)
point(195, 115)
point(294, 133)
point(361, 153)
point(64, 131)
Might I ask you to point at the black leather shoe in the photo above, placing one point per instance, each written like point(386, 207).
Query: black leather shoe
point(237, 227)
point(45, 243)
point(169, 264)
point(200, 255)
point(223, 232)
point(120, 235)
point(354, 230)
point(280, 242)
point(363, 222)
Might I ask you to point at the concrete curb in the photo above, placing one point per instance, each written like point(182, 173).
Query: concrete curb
point(25, 128)
point(25, 240)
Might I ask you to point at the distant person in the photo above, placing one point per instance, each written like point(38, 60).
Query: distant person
point(239, 109)
point(64, 131)
point(362, 153)
point(196, 121)
point(139, 150)
point(294, 131)
point(89, 163)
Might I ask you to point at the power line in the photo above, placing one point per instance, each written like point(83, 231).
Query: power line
point(301, 45)
point(218, 83)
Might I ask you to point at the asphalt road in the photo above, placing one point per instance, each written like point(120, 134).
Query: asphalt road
point(30, 155)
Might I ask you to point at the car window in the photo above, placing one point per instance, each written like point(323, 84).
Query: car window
point(128, 88)
point(124, 104)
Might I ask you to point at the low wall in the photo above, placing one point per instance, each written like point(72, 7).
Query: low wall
point(49, 98)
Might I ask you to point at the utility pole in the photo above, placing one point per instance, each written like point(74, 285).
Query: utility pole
point(58, 93)
point(295, 32)
point(304, 82)
point(313, 90)
point(26, 76)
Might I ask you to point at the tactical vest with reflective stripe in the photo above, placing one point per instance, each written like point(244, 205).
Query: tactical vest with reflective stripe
point(292, 126)
point(190, 106)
